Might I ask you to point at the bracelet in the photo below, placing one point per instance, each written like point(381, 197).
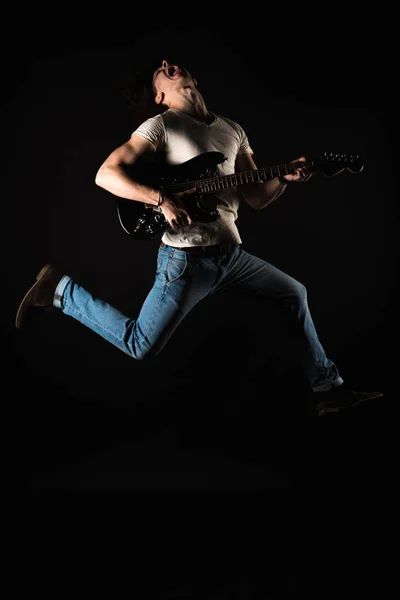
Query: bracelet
point(160, 198)
point(282, 180)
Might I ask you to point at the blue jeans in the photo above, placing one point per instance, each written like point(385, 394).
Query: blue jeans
point(181, 281)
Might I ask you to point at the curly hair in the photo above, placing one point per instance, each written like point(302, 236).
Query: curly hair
point(138, 91)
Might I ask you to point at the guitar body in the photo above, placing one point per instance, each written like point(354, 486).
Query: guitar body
point(143, 221)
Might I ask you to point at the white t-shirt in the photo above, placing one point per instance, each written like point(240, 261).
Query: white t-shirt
point(180, 138)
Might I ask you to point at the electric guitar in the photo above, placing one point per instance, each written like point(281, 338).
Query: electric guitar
point(144, 221)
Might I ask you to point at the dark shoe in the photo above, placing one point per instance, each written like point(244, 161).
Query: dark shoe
point(40, 294)
point(339, 398)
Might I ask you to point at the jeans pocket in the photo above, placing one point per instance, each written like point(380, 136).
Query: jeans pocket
point(175, 267)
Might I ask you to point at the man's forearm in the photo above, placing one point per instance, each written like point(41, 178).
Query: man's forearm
point(117, 182)
point(261, 194)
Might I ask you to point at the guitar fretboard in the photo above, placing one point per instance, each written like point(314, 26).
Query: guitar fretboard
point(217, 183)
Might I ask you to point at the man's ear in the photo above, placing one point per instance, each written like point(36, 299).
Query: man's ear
point(195, 81)
point(159, 98)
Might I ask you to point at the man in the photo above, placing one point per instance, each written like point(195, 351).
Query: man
point(197, 256)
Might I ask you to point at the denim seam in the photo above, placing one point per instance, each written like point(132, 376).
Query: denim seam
point(91, 321)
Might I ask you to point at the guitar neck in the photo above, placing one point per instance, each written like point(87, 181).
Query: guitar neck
point(222, 182)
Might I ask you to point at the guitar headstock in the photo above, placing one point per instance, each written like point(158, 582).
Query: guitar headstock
point(332, 163)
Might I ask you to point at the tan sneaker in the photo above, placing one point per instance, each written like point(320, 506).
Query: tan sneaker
point(41, 293)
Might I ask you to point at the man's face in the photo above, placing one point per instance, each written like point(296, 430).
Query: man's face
point(169, 77)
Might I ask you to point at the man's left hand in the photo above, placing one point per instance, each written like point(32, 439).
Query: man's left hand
point(303, 172)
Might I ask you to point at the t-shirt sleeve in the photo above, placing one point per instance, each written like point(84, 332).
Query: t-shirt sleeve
point(243, 141)
point(152, 130)
point(244, 147)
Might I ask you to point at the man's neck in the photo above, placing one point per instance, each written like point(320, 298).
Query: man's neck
point(192, 103)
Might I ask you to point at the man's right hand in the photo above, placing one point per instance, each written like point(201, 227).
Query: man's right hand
point(174, 210)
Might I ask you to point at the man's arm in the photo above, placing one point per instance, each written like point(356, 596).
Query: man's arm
point(260, 194)
point(113, 174)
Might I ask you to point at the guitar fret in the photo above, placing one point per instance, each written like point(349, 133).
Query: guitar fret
point(282, 170)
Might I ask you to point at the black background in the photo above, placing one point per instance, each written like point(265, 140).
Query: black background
point(224, 408)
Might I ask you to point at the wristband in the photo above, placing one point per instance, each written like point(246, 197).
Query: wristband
point(282, 180)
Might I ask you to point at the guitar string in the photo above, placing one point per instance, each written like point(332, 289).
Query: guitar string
point(216, 183)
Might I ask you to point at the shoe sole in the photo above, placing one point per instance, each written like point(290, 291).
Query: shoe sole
point(24, 304)
point(324, 411)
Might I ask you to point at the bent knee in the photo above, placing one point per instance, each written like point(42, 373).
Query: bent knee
point(297, 297)
point(300, 292)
